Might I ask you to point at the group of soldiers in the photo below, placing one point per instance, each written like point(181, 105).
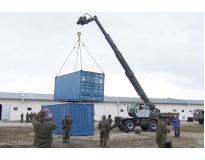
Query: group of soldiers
point(28, 117)
point(105, 126)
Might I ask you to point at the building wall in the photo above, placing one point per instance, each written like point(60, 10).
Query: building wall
point(105, 108)
point(35, 106)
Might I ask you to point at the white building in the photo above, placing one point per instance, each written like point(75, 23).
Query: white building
point(13, 104)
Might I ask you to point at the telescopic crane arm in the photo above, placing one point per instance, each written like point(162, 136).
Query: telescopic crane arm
point(128, 71)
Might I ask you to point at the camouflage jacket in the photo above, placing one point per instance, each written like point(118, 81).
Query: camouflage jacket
point(104, 125)
point(31, 115)
point(161, 132)
point(43, 131)
point(109, 120)
point(27, 115)
point(67, 122)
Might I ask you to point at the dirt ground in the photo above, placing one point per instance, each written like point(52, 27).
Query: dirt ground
point(21, 135)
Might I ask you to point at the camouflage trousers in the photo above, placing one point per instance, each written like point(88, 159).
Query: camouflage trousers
point(108, 134)
point(103, 137)
point(161, 145)
point(66, 134)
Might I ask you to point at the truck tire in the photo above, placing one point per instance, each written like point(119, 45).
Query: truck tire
point(144, 128)
point(170, 122)
point(120, 127)
point(129, 125)
point(201, 121)
point(152, 125)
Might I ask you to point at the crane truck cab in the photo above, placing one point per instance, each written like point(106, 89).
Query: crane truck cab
point(143, 110)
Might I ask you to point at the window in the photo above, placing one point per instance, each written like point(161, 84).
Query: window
point(182, 110)
point(147, 107)
point(190, 110)
point(29, 109)
point(174, 110)
point(121, 110)
point(141, 106)
point(15, 108)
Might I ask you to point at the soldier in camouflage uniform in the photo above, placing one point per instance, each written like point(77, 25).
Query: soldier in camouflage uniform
point(66, 124)
point(27, 117)
point(21, 117)
point(110, 122)
point(104, 127)
point(43, 129)
point(161, 132)
point(31, 116)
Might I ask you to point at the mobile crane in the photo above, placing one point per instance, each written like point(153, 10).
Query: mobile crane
point(144, 113)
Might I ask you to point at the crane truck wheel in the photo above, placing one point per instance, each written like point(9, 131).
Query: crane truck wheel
point(144, 128)
point(170, 122)
point(129, 125)
point(152, 125)
point(201, 121)
point(120, 127)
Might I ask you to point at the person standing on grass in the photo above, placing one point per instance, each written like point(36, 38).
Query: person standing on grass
point(176, 124)
point(43, 129)
point(161, 132)
point(104, 127)
point(21, 117)
point(66, 124)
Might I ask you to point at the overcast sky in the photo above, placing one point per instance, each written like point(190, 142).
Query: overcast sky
point(164, 50)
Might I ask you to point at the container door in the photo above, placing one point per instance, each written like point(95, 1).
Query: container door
point(98, 87)
point(86, 86)
point(140, 112)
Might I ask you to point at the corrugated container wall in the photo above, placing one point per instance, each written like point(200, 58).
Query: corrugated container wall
point(79, 86)
point(82, 115)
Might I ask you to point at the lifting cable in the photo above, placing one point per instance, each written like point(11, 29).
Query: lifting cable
point(79, 48)
point(105, 108)
point(67, 58)
point(92, 57)
point(91, 110)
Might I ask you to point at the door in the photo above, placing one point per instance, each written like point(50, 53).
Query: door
point(5, 112)
point(98, 87)
point(86, 86)
point(140, 111)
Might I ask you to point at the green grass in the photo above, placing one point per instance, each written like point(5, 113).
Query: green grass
point(194, 129)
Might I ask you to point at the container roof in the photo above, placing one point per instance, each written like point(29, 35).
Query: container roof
point(50, 97)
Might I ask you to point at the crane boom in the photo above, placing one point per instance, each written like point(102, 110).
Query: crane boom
point(130, 75)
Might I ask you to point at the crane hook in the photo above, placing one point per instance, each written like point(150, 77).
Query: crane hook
point(79, 33)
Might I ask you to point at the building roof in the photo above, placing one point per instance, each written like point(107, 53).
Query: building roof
point(50, 97)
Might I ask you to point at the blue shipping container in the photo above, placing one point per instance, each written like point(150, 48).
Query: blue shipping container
point(82, 115)
point(79, 86)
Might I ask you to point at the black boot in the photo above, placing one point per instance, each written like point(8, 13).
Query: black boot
point(101, 145)
point(105, 146)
